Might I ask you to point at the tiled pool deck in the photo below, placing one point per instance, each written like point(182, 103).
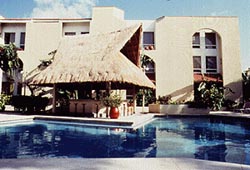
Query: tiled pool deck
point(113, 163)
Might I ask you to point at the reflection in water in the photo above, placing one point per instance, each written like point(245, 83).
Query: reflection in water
point(218, 139)
point(54, 140)
point(201, 138)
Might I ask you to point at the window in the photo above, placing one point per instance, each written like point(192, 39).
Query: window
point(9, 37)
point(148, 40)
point(210, 40)
point(211, 64)
point(206, 52)
point(22, 40)
point(69, 33)
point(196, 40)
point(197, 64)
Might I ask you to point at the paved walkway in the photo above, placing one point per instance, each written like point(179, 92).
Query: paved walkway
point(230, 114)
point(7, 118)
point(117, 164)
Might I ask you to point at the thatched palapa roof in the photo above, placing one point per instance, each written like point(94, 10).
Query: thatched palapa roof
point(110, 57)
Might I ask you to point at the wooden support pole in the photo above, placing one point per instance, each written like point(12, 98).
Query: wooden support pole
point(143, 100)
point(1, 79)
point(54, 99)
point(108, 90)
point(134, 99)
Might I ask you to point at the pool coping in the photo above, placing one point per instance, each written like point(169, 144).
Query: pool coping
point(132, 122)
point(117, 163)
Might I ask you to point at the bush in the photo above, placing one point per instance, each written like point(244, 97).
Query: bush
point(229, 104)
point(149, 97)
point(29, 103)
point(211, 95)
point(164, 99)
point(195, 104)
point(4, 99)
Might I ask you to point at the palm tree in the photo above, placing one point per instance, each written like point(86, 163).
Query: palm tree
point(10, 63)
point(145, 61)
point(145, 96)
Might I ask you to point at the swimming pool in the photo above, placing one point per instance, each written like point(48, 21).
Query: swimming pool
point(208, 138)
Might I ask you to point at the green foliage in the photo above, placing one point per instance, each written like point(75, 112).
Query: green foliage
point(112, 101)
point(246, 85)
point(45, 63)
point(211, 95)
point(29, 103)
point(165, 99)
point(230, 104)
point(63, 97)
point(9, 60)
point(246, 78)
point(149, 97)
point(145, 60)
point(4, 99)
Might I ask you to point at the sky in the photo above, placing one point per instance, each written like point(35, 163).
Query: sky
point(139, 10)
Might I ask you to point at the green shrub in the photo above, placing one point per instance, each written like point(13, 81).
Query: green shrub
point(29, 103)
point(4, 99)
point(211, 95)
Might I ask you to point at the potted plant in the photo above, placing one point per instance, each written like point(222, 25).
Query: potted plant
point(112, 101)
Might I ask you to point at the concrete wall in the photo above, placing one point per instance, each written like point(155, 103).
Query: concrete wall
point(41, 38)
point(16, 28)
point(77, 27)
point(106, 19)
point(173, 54)
point(169, 109)
point(173, 46)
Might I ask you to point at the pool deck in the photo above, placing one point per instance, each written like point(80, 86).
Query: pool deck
point(133, 121)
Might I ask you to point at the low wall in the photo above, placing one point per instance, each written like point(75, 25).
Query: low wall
point(175, 109)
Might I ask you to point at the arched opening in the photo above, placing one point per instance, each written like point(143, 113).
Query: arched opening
point(207, 58)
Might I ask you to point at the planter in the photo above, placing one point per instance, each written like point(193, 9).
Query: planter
point(154, 108)
point(176, 109)
point(114, 113)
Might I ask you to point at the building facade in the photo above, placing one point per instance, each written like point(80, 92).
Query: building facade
point(184, 50)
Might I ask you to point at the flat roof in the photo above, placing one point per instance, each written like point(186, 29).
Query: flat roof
point(25, 20)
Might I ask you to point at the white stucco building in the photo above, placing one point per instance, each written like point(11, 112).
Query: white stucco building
point(184, 49)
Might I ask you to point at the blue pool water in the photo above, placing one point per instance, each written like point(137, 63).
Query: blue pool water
point(226, 140)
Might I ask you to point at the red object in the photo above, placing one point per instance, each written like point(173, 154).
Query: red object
point(207, 77)
point(114, 113)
